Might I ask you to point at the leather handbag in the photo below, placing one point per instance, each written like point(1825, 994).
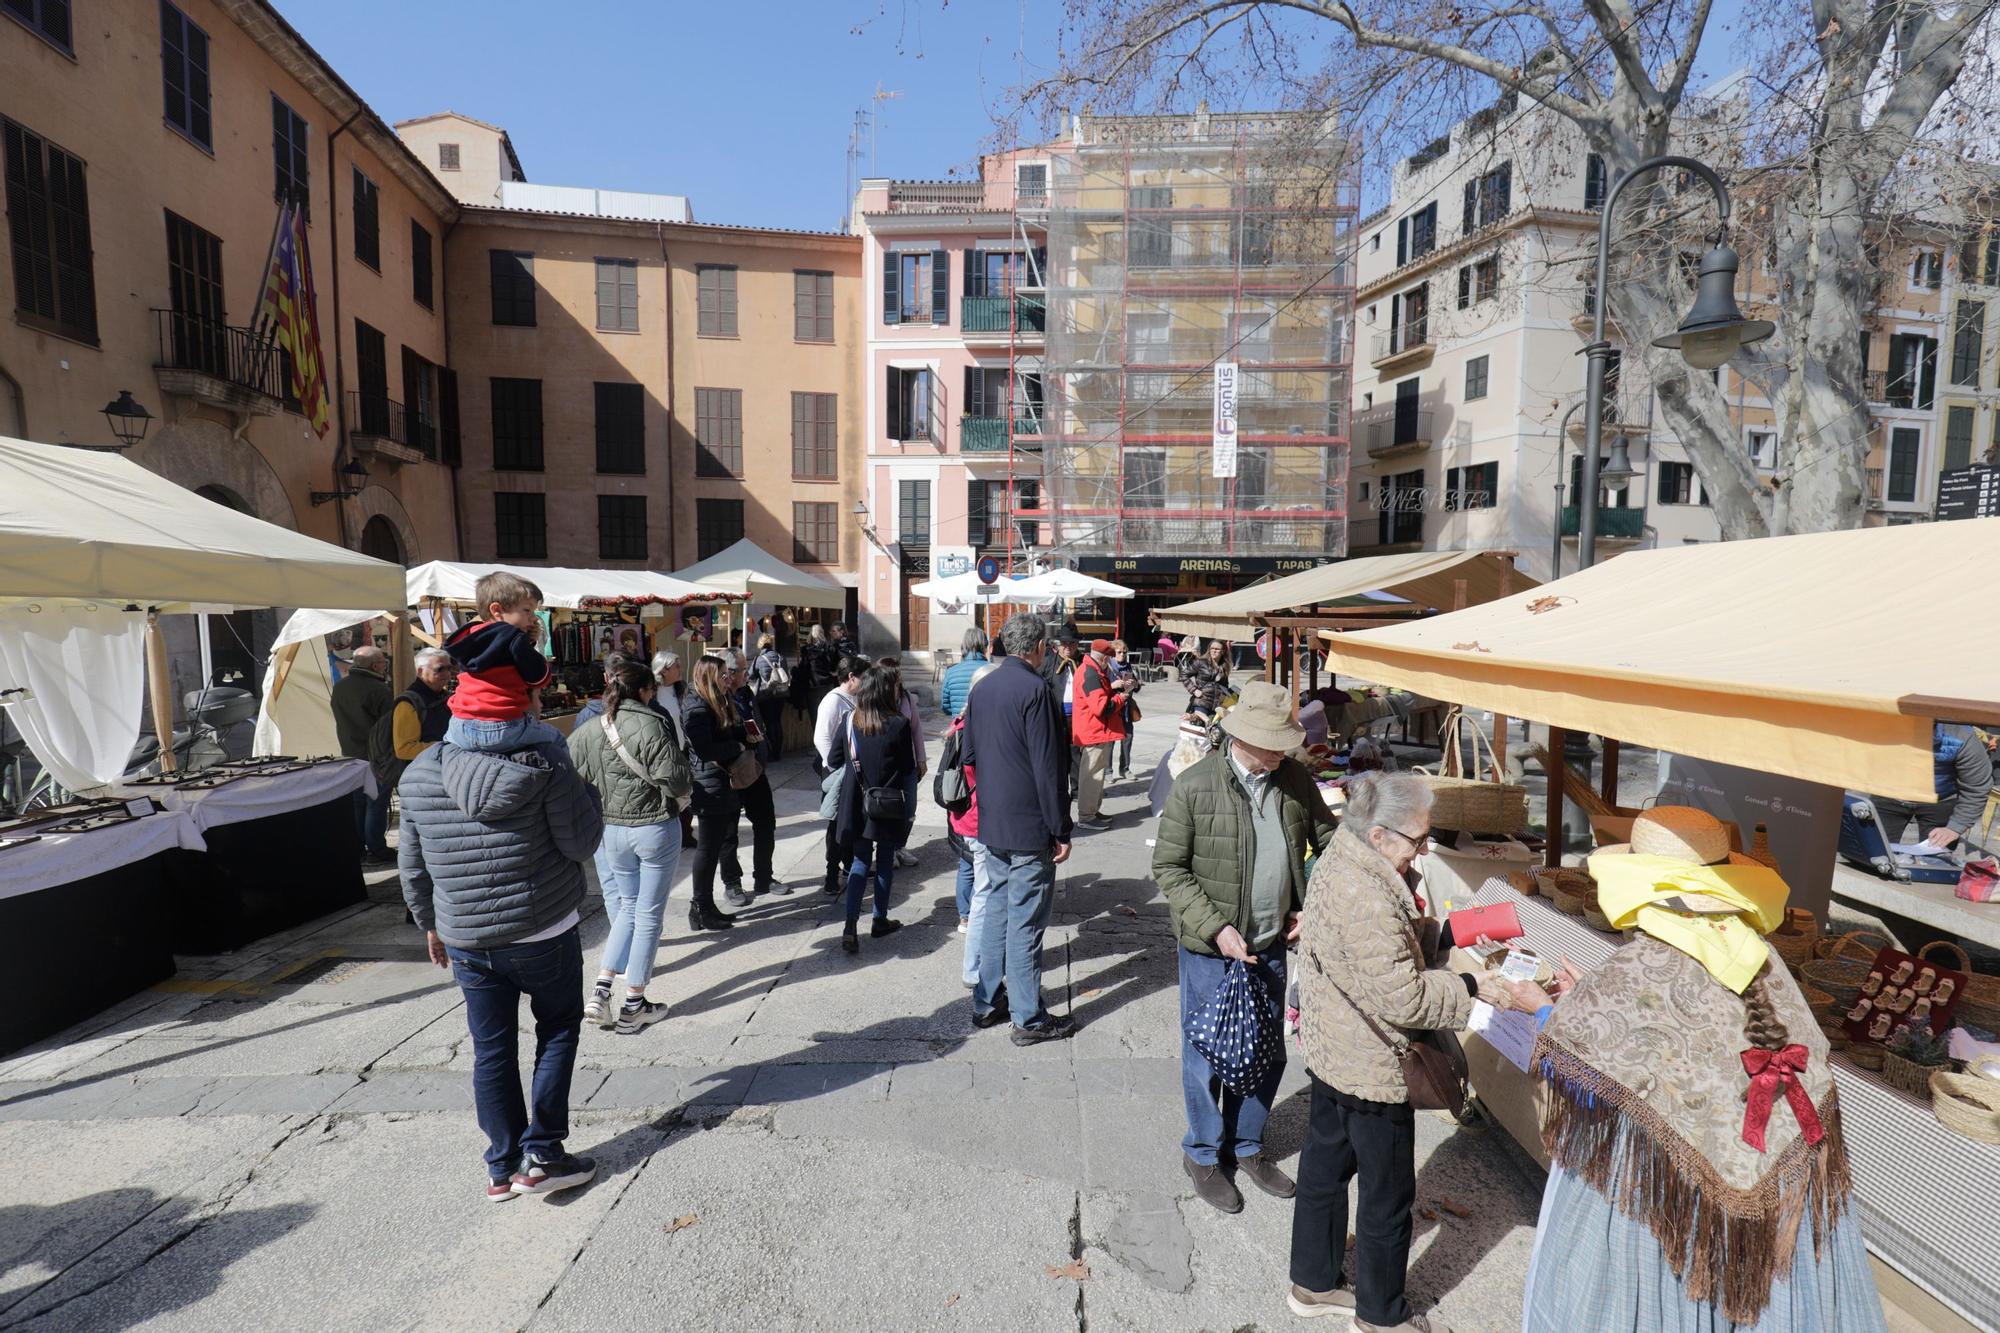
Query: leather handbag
point(743, 770)
point(1433, 1072)
point(883, 805)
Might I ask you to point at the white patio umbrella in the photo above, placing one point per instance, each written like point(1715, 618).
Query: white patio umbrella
point(1066, 584)
point(963, 590)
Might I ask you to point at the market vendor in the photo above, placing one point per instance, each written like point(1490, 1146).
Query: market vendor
point(1698, 1176)
point(420, 714)
point(1962, 773)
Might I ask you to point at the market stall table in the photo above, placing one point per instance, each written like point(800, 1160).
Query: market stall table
point(282, 848)
point(92, 899)
point(1929, 1199)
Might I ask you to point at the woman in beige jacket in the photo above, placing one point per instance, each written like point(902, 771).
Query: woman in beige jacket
point(1365, 979)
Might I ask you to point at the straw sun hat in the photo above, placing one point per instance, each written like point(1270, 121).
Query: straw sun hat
point(1684, 833)
point(1263, 717)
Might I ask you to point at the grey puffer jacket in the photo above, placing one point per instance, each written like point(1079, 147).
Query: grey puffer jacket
point(1364, 948)
point(493, 845)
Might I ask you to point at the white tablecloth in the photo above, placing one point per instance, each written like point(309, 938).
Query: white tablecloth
point(65, 858)
point(257, 797)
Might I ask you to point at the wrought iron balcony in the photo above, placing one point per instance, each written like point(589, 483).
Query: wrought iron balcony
point(219, 364)
point(1389, 430)
point(1409, 341)
point(1002, 314)
point(380, 425)
point(1613, 524)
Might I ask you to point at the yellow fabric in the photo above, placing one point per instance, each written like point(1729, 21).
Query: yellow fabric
point(1776, 654)
point(1638, 893)
point(406, 729)
point(1420, 578)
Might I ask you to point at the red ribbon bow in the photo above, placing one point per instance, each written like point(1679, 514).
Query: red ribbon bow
point(1770, 1071)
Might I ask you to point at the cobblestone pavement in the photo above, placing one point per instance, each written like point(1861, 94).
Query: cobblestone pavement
point(283, 1137)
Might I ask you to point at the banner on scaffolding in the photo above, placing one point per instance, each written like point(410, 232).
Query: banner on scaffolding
point(1225, 418)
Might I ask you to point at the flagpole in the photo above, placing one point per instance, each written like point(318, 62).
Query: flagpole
point(264, 312)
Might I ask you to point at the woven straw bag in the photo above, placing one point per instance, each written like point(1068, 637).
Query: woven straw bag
point(1842, 965)
point(1570, 888)
point(1793, 940)
point(1468, 804)
point(1967, 1104)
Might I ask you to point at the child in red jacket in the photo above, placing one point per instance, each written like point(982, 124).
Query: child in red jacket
point(494, 707)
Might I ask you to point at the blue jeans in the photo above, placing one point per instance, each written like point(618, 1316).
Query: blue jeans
point(372, 819)
point(1021, 886)
point(517, 733)
point(965, 882)
point(635, 866)
point(1220, 1120)
point(550, 974)
point(875, 860)
point(977, 912)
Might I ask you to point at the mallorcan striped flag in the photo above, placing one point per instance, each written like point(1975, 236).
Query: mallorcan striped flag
point(290, 311)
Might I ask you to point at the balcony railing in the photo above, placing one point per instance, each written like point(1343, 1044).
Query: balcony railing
point(234, 366)
point(1412, 336)
point(1871, 488)
point(1616, 524)
point(982, 435)
point(377, 417)
point(1002, 314)
point(1379, 429)
point(1875, 384)
point(936, 196)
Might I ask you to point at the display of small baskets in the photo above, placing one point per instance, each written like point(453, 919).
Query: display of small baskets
point(1820, 1003)
point(1980, 1005)
point(1967, 1104)
point(1835, 1031)
point(1840, 966)
point(1794, 939)
point(1907, 1075)
point(1571, 889)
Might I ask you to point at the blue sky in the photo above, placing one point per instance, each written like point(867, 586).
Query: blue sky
point(743, 105)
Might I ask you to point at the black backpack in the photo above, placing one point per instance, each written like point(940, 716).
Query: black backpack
point(949, 787)
point(382, 740)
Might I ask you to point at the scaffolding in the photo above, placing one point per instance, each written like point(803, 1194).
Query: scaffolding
point(1173, 244)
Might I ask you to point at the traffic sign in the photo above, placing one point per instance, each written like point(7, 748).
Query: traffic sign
point(988, 590)
point(989, 572)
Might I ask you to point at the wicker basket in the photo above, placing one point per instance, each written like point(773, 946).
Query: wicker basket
point(1967, 1104)
point(1866, 1054)
point(1468, 804)
point(1909, 1076)
point(1820, 1003)
point(1760, 850)
point(1522, 882)
point(1595, 919)
point(1793, 940)
point(1570, 889)
point(1842, 965)
point(1835, 1031)
point(1980, 1004)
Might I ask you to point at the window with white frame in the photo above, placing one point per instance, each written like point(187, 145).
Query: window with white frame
point(1762, 446)
point(1926, 270)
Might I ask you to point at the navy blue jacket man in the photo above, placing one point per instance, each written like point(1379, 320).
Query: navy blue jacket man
point(1017, 739)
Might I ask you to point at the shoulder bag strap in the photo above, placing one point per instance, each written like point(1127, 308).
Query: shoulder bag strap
point(618, 748)
point(1373, 1026)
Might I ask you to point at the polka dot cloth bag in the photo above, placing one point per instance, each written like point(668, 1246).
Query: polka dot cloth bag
point(1237, 1030)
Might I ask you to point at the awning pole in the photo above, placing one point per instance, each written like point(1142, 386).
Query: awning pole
point(286, 656)
point(161, 691)
point(1552, 851)
point(1500, 719)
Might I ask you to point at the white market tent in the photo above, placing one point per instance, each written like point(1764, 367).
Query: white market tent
point(748, 569)
point(82, 526)
point(1066, 585)
point(454, 580)
point(93, 548)
point(1810, 656)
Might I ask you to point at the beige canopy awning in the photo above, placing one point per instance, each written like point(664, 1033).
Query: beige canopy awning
point(749, 569)
point(1426, 579)
point(1824, 657)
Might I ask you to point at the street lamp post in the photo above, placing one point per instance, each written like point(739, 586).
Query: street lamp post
point(1617, 473)
point(1711, 334)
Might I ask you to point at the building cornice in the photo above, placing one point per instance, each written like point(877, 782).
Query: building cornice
point(529, 219)
point(282, 42)
point(915, 224)
point(1520, 220)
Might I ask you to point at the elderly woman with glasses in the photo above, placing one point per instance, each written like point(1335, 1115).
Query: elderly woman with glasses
point(1367, 982)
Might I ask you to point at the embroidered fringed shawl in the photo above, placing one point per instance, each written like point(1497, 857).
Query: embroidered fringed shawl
point(1643, 1061)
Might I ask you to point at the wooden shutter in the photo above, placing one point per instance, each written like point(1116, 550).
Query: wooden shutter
point(705, 301)
point(892, 291)
point(420, 264)
point(894, 397)
point(448, 452)
point(1471, 220)
point(1402, 241)
point(940, 286)
point(803, 306)
point(725, 286)
point(1465, 287)
point(974, 383)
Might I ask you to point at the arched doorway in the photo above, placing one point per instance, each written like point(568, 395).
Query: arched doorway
point(380, 540)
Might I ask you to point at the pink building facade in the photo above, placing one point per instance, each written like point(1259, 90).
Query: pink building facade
point(953, 285)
